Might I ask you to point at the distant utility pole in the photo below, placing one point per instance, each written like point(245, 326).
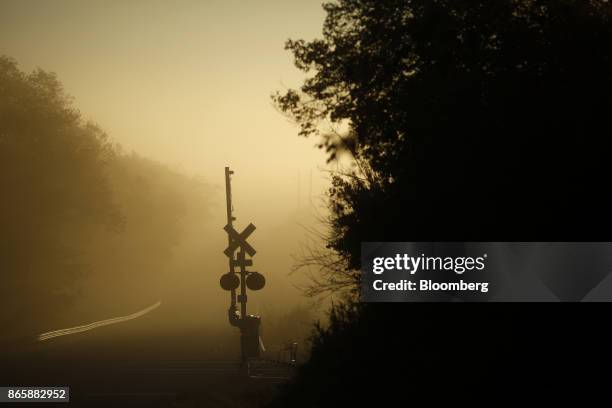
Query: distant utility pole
point(248, 324)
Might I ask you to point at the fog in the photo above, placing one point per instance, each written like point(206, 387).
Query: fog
point(178, 91)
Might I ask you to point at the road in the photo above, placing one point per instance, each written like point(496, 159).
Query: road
point(129, 362)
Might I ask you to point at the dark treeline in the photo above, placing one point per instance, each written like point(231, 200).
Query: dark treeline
point(468, 121)
point(78, 216)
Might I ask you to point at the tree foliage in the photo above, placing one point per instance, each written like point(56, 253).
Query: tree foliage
point(53, 189)
point(467, 120)
point(79, 218)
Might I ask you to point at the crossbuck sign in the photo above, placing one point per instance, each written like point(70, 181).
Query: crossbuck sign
point(239, 240)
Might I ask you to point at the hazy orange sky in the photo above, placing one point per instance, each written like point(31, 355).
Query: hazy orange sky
point(185, 82)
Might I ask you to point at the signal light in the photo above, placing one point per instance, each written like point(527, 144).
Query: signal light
point(255, 281)
point(229, 281)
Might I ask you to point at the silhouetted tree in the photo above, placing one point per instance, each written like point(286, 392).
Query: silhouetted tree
point(467, 121)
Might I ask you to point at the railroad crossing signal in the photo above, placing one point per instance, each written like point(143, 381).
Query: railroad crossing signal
point(239, 240)
point(233, 281)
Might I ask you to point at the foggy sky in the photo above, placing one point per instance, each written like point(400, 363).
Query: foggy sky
point(185, 82)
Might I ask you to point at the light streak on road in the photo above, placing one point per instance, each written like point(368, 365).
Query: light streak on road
point(95, 325)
